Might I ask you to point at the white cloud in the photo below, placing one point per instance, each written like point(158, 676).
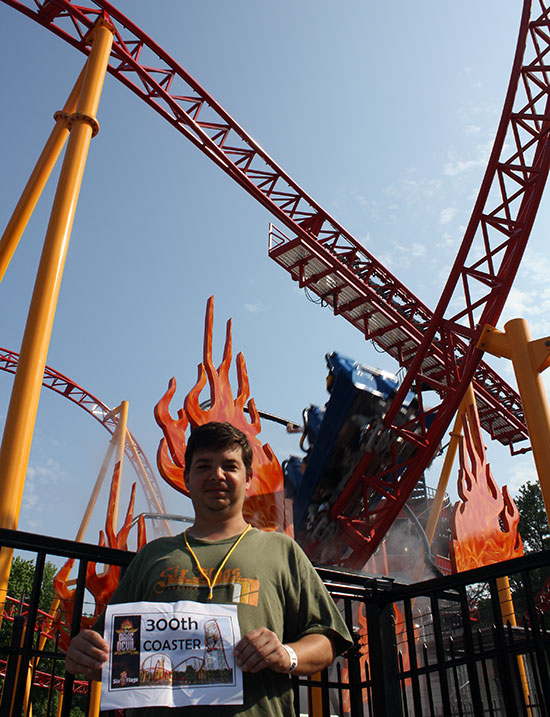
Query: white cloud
point(362, 199)
point(523, 470)
point(46, 474)
point(412, 190)
point(451, 240)
point(519, 304)
point(387, 260)
point(400, 255)
point(466, 71)
point(535, 267)
point(255, 308)
point(30, 497)
point(456, 165)
point(37, 477)
point(446, 215)
point(417, 249)
point(529, 301)
point(459, 166)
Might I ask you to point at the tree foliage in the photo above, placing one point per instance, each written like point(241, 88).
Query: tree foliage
point(21, 581)
point(20, 588)
point(533, 523)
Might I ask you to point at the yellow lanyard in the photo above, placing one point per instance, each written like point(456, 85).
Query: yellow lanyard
point(224, 561)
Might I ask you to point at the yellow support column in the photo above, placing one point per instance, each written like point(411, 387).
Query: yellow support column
point(468, 400)
point(21, 416)
point(509, 616)
point(16, 442)
point(95, 699)
point(37, 180)
point(97, 487)
point(122, 429)
point(78, 539)
point(316, 698)
point(529, 358)
point(146, 480)
point(435, 512)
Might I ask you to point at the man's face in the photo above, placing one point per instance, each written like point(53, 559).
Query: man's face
point(217, 481)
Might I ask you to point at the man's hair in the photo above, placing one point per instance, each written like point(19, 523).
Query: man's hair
point(215, 436)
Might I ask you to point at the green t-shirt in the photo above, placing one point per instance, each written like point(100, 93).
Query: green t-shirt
point(273, 584)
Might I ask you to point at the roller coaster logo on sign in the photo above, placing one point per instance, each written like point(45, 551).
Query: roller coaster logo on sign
point(171, 654)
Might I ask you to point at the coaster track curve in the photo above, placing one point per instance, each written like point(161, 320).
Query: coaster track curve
point(438, 349)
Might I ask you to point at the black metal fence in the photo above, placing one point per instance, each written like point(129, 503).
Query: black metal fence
point(444, 647)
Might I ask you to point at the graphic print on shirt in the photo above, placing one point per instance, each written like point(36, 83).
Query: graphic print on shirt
point(241, 590)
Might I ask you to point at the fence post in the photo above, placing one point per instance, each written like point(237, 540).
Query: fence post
point(386, 691)
point(14, 655)
point(353, 656)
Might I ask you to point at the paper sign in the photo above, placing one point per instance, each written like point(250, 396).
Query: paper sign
point(171, 655)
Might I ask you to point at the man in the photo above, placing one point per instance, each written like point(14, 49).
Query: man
point(289, 621)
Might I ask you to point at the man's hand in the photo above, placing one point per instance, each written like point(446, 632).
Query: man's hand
point(86, 654)
point(261, 648)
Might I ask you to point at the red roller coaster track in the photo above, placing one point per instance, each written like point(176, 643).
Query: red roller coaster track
point(438, 349)
point(62, 385)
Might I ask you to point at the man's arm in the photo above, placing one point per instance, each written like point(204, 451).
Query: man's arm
point(261, 648)
point(86, 654)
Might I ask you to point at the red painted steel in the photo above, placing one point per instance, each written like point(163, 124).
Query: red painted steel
point(356, 284)
point(56, 682)
point(314, 267)
point(542, 601)
point(62, 385)
point(15, 607)
point(500, 223)
point(438, 348)
point(476, 290)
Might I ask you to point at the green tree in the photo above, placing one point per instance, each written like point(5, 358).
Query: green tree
point(20, 588)
point(535, 532)
point(533, 523)
point(22, 577)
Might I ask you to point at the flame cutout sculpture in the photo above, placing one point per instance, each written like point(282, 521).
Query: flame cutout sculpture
point(484, 526)
point(102, 585)
point(265, 502)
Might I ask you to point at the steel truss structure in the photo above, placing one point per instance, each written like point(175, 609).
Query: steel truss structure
point(62, 385)
point(437, 348)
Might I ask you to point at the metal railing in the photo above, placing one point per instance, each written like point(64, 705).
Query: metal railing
point(419, 649)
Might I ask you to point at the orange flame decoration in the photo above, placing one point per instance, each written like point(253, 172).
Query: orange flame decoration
point(265, 502)
point(103, 585)
point(484, 526)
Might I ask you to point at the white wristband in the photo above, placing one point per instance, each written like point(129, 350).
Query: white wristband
point(293, 658)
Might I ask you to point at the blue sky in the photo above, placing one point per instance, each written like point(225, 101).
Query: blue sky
point(383, 112)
